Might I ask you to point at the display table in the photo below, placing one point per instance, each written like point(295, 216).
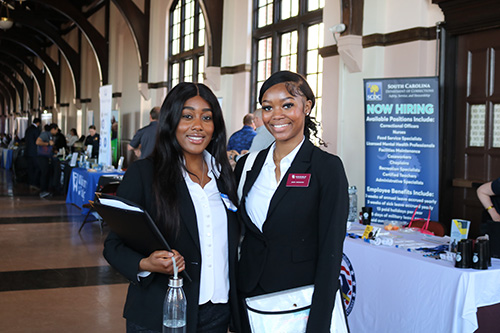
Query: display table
point(6, 155)
point(401, 291)
point(83, 184)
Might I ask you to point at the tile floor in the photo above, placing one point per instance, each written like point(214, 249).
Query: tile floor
point(53, 279)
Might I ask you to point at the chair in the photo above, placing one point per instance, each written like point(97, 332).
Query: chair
point(436, 227)
point(109, 188)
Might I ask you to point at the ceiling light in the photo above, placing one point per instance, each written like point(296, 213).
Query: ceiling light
point(5, 21)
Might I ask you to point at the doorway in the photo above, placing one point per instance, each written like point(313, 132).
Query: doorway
point(476, 150)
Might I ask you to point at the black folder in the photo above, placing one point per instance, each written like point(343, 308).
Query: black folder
point(133, 225)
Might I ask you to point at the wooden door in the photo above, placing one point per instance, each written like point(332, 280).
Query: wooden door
point(477, 128)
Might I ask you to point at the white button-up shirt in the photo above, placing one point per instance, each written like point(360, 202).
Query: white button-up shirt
point(260, 195)
point(212, 229)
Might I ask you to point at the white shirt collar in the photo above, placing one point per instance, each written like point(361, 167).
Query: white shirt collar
point(288, 159)
point(262, 191)
point(213, 167)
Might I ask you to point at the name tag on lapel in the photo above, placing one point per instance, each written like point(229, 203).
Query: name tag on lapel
point(298, 180)
point(227, 202)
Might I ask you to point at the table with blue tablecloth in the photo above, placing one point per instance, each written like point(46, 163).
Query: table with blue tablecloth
point(83, 184)
point(6, 156)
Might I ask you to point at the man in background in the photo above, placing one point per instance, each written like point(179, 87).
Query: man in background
point(93, 140)
point(242, 139)
point(49, 166)
point(263, 138)
point(143, 141)
point(30, 136)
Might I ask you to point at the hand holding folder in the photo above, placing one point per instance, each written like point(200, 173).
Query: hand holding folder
point(133, 225)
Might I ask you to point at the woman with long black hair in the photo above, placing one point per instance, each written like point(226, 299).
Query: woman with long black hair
point(188, 188)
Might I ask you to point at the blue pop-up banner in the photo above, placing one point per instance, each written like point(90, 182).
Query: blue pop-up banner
point(402, 148)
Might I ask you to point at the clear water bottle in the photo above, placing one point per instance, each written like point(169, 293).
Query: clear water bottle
point(174, 306)
point(353, 204)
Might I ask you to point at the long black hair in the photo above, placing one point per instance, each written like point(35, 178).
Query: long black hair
point(168, 156)
point(296, 85)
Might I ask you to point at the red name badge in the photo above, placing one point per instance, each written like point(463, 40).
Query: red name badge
point(298, 180)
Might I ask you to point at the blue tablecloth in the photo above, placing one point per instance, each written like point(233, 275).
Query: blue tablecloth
point(6, 158)
point(82, 186)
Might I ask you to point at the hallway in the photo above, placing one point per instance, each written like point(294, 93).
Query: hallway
point(53, 279)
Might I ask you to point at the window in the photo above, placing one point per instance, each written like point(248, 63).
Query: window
point(477, 121)
point(186, 61)
point(287, 35)
point(496, 126)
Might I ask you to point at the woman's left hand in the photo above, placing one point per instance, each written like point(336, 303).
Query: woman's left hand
point(161, 262)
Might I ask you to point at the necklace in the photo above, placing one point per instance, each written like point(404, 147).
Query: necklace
point(275, 158)
point(202, 172)
point(277, 170)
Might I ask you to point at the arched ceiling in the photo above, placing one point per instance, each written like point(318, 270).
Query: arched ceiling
point(41, 25)
point(38, 26)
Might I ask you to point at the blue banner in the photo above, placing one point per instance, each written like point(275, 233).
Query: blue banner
point(402, 148)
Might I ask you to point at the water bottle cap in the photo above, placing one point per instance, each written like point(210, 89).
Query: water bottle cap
point(352, 189)
point(175, 282)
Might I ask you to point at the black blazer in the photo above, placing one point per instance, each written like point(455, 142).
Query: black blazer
point(303, 235)
point(144, 304)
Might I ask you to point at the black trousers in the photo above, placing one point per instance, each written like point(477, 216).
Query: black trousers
point(44, 164)
point(50, 173)
point(33, 171)
point(212, 318)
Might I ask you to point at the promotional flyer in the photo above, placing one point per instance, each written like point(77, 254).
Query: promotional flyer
point(105, 99)
point(402, 148)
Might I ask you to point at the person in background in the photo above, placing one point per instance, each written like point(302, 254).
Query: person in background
point(188, 188)
point(46, 159)
point(487, 194)
point(294, 227)
point(143, 141)
point(60, 143)
point(71, 138)
point(241, 140)
point(4, 140)
point(114, 128)
point(93, 140)
point(8, 139)
point(30, 137)
point(15, 141)
point(263, 138)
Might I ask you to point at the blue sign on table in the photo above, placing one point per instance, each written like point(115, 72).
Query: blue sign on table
point(402, 148)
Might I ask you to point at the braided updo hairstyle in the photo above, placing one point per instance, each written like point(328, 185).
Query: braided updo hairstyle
point(296, 85)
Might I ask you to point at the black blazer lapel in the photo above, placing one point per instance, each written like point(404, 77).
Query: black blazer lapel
point(300, 164)
point(254, 171)
point(187, 212)
point(252, 175)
